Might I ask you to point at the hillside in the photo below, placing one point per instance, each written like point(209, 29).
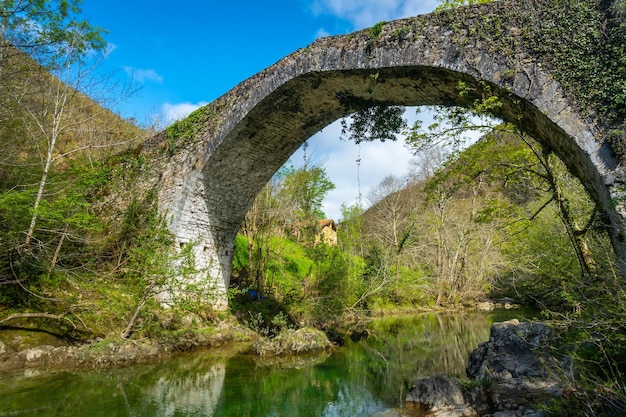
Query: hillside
point(33, 100)
point(495, 221)
point(57, 156)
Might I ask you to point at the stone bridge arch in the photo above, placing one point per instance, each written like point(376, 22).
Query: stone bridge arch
point(224, 153)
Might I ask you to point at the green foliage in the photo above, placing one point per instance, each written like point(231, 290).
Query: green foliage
point(402, 32)
point(305, 188)
point(544, 263)
point(451, 4)
point(375, 263)
point(14, 214)
point(375, 31)
point(141, 238)
point(153, 266)
point(240, 255)
point(182, 132)
point(581, 43)
point(47, 29)
point(85, 254)
point(327, 291)
point(65, 220)
point(374, 123)
point(377, 283)
point(295, 259)
point(455, 127)
point(285, 269)
point(313, 284)
point(350, 234)
point(617, 140)
point(584, 42)
point(593, 340)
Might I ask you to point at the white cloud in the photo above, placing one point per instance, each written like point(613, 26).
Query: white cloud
point(172, 112)
point(366, 13)
point(377, 160)
point(321, 33)
point(339, 158)
point(143, 75)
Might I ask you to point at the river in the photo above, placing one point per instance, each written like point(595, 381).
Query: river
point(356, 380)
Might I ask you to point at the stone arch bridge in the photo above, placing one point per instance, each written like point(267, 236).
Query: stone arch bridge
point(220, 157)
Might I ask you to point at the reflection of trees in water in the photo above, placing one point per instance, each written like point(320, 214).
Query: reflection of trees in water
point(291, 361)
point(348, 404)
point(251, 390)
point(402, 349)
point(354, 379)
point(323, 388)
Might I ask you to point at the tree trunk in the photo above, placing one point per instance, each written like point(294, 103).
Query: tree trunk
point(575, 236)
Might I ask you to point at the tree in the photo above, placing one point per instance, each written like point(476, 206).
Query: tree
point(554, 178)
point(392, 220)
point(477, 180)
point(261, 223)
point(51, 115)
point(288, 206)
point(470, 218)
point(351, 233)
point(34, 34)
point(426, 163)
point(49, 33)
point(302, 190)
point(42, 29)
point(452, 123)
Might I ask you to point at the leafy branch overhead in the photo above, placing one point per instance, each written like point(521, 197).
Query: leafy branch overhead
point(44, 29)
point(454, 128)
point(374, 123)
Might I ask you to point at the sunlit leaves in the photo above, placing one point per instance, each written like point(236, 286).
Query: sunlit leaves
point(454, 128)
point(305, 187)
point(46, 30)
point(451, 4)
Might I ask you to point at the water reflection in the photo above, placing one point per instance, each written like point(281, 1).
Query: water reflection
point(356, 380)
point(402, 349)
point(189, 385)
point(194, 390)
point(251, 390)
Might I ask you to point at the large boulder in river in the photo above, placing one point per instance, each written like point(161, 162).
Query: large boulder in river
point(510, 375)
point(291, 341)
point(439, 395)
point(517, 363)
point(514, 350)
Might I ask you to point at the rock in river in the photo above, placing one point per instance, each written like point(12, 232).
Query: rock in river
point(509, 376)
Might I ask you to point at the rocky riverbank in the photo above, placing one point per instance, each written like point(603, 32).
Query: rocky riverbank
point(27, 350)
point(30, 351)
point(510, 375)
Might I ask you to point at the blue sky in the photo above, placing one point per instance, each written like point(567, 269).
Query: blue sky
point(184, 53)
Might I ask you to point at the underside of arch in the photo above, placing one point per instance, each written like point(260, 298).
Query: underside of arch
point(269, 134)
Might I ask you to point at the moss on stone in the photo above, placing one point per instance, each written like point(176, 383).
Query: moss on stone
point(184, 131)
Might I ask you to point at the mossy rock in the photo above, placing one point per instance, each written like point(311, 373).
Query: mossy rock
point(292, 342)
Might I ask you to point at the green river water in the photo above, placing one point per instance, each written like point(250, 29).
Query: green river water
point(356, 380)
